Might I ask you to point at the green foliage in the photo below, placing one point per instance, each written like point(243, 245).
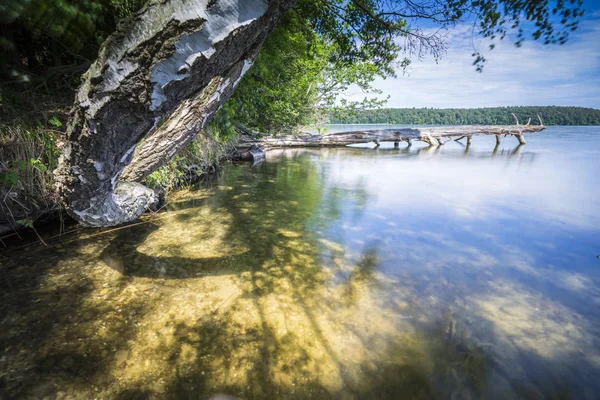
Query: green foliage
point(55, 122)
point(299, 72)
point(38, 164)
point(358, 37)
point(224, 121)
point(202, 155)
point(281, 89)
point(9, 178)
point(126, 8)
point(25, 222)
point(27, 158)
point(20, 164)
point(323, 48)
point(551, 115)
point(166, 175)
point(53, 41)
point(379, 30)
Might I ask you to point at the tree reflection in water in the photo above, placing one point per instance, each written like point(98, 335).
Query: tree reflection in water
point(276, 283)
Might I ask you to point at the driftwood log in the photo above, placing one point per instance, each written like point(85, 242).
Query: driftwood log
point(432, 136)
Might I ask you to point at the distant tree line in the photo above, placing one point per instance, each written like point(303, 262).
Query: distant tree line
point(551, 115)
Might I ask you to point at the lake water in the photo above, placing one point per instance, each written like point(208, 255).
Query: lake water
point(355, 273)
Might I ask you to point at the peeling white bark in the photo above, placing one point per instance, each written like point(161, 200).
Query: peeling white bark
point(222, 19)
point(183, 125)
point(160, 77)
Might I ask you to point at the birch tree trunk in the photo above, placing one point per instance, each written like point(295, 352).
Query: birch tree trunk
point(160, 77)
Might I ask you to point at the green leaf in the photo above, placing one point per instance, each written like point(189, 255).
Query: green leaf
point(38, 164)
point(55, 122)
point(25, 222)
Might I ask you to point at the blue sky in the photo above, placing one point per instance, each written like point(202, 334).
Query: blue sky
point(534, 74)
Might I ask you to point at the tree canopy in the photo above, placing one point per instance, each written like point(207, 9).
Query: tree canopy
point(320, 49)
point(339, 43)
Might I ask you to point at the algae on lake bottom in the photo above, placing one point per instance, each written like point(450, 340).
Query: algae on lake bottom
point(252, 288)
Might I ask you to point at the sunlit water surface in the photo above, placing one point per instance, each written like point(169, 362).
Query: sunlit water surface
point(435, 273)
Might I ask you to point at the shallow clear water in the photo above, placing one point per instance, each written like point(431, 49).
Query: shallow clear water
point(447, 272)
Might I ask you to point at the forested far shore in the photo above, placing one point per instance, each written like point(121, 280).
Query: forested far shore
point(551, 115)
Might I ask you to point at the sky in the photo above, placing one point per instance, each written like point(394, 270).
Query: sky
point(534, 74)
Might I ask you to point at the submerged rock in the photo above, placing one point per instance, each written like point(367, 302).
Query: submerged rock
point(254, 154)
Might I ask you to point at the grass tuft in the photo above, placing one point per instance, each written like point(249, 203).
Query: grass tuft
point(27, 158)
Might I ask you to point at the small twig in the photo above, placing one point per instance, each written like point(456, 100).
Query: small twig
point(62, 220)
point(7, 193)
point(39, 237)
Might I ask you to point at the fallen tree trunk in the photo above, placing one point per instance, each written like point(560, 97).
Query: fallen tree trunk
point(159, 78)
point(428, 135)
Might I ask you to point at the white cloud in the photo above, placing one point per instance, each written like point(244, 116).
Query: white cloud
point(531, 75)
